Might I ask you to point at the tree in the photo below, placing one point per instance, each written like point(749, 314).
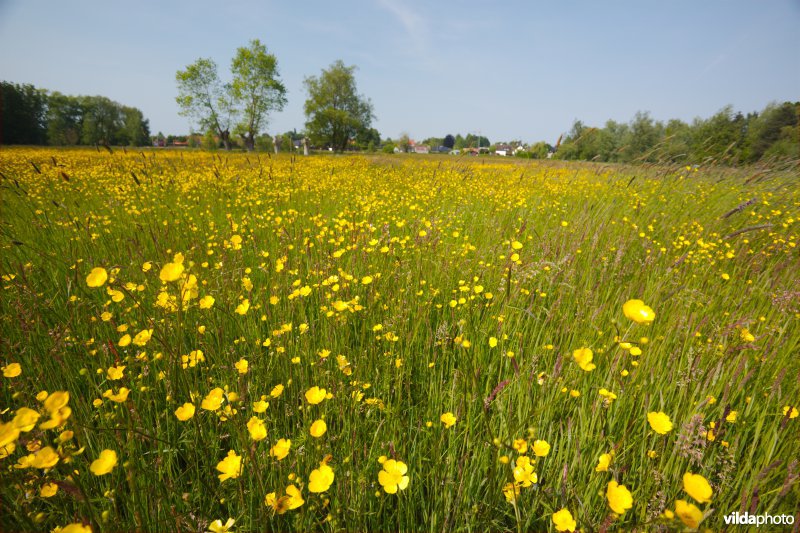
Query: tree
point(335, 112)
point(203, 97)
point(404, 143)
point(22, 114)
point(539, 150)
point(368, 139)
point(255, 89)
point(135, 129)
point(767, 128)
point(449, 141)
point(102, 120)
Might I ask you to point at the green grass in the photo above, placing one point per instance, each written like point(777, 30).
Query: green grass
point(593, 237)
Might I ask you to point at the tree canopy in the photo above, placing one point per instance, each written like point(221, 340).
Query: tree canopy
point(726, 137)
point(203, 97)
point(36, 116)
point(244, 103)
point(256, 88)
point(335, 112)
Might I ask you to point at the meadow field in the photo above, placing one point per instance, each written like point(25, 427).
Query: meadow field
point(196, 341)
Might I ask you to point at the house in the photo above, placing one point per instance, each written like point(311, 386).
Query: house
point(421, 149)
point(503, 149)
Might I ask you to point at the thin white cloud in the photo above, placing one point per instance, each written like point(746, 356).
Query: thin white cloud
point(415, 26)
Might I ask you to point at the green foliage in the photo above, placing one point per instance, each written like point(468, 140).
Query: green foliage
point(335, 112)
point(255, 89)
point(539, 150)
point(367, 137)
point(23, 113)
point(773, 133)
point(32, 116)
point(101, 119)
point(203, 97)
point(725, 138)
point(210, 141)
point(264, 143)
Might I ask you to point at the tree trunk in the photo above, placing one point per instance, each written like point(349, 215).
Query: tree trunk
point(225, 136)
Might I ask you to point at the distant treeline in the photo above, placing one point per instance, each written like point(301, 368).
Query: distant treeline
point(726, 138)
point(29, 115)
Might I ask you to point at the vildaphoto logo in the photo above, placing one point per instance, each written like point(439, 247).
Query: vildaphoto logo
point(747, 519)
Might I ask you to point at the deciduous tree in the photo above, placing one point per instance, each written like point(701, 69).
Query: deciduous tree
point(203, 97)
point(255, 89)
point(335, 112)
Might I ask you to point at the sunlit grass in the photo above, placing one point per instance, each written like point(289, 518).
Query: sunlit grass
point(457, 321)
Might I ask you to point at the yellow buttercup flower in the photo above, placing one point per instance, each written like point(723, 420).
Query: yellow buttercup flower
point(315, 395)
point(541, 448)
point(256, 428)
point(105, 463)
point(520, 445)
point(603, 463)
point(206, 302)
point(280, 449)
point(231, 466)
point(12, 370)
point(448, 419)
point(97, 277)
point(563, 520)
point(45, 458)
point(318, 428)
point(9, 433)
point(185, 412)
point(242, 365)
point(291, 500)
point(142, 337)
point(213, 400)
point(56, 401)
point(48, 490)
point(697, 487)
point(689, 514)
point(393, 476)
point(242, 308)
point(119, 397)
point(171, 272)
point(637, 311)
point(659, 422)
point(619, 497)
point(218, 527)
point(584, 356)
point(25, 419)
point(76, 527)
point(524, 473)
point(115, 372)
point(320, 478)
point(511, 491)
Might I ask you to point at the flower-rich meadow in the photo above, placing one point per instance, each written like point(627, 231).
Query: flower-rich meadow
point(211, 342)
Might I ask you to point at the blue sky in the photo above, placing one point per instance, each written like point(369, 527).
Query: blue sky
point(507, 70)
